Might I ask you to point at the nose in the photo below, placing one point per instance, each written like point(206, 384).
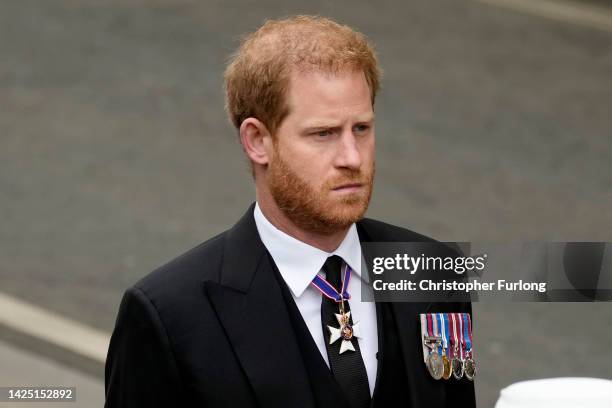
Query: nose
point(348, 154)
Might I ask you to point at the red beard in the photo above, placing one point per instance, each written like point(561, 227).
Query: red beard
point(318, 210)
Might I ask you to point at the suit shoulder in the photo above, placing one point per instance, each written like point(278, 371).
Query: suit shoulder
point(378, 231)
point(183, 274)
point(382, 231)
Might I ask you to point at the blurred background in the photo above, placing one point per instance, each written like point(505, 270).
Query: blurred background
point(493, 123)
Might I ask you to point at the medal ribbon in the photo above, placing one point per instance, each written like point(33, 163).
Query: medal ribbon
point(461, 338)
point(435, 332)
point(431, 330)
point(329, 291)
point(425, 334)
point(429, 325)
point(467, 328)
point(448, 333)
point(455, 338)
point(440, 332)
point(444, 326)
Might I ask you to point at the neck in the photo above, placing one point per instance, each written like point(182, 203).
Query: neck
point(325, 242)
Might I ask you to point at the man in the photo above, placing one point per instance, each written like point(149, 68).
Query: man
point(237, 321)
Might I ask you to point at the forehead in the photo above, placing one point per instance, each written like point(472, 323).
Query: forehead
point(316, 94)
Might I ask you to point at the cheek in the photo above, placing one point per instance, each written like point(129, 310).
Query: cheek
point(313, 172)
point(367, 150)
point(310, 165)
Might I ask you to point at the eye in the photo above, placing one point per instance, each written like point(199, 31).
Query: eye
point(323, 133)
point(361, 128)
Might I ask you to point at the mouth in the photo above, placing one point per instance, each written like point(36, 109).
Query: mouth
point(348, 188)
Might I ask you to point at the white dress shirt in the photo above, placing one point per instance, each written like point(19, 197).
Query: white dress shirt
point(298, 264)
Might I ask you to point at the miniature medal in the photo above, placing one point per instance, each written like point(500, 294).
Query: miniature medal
point(448, 370)
point(432, 340)
point(470, 364)
point(458, 368)
point(456, 362)
point(443, 321)
point(435, 366)
point(470, 368)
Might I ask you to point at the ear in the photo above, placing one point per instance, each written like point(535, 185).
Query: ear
point(256, 140)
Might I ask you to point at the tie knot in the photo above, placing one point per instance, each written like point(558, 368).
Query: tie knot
point(332, 268)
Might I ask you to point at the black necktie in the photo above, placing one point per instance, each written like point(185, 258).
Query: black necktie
point(348, 368)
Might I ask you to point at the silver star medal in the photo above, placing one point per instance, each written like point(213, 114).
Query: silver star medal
point(346, 331)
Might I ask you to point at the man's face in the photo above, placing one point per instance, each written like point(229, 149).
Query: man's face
point(322, 169)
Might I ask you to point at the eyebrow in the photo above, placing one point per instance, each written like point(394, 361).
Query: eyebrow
point(311, 127)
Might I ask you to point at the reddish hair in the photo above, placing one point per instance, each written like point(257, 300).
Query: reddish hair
point(257, 76)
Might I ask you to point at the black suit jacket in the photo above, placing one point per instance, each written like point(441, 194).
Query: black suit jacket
point(211, 329)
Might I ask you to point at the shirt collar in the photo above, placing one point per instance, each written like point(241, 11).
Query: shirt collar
point(299, 262)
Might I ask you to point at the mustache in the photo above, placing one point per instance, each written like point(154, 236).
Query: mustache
point(351, 177)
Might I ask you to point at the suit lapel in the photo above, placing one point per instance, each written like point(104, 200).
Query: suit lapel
point(249, 304)
point(250, 307)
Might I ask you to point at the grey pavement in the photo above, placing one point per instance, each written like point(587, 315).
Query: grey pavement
point(116, 155)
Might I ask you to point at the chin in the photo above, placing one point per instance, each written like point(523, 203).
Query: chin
point(346, 211)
